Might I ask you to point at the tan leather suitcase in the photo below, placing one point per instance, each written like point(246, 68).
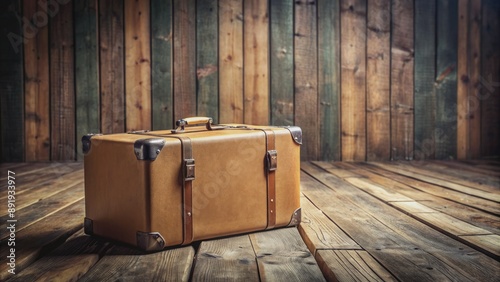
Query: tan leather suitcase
point(154, 189)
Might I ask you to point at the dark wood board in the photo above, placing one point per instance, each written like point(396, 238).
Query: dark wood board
point(207, 69)
point(281, 62)
point(11, 82)
point(86, 70)
point(161, 65)
point(36, 88)
point(425, 73)
point(329, 79)
point(446, 79)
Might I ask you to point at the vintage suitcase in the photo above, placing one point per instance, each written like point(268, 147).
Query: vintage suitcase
point(154, 189)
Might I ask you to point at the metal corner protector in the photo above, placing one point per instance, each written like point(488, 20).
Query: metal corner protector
point(150, 241)
point(296, 133)
point(88, 226)
point(148, 149)
point(86, 143)
point(296, 217)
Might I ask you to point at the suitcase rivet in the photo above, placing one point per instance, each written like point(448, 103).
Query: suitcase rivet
point(189, 213)
point(272, 200)
point(271, 211)
point(158, 151)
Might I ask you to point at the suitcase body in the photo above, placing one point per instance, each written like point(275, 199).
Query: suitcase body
point(154, 189)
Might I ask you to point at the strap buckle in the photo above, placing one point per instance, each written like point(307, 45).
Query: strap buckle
point(272, 160)
point(189, 169)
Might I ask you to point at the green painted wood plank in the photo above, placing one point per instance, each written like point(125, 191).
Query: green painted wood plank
point(490, 79)
point(207, 72)
point(86, 70)
point(425, 72)
point(446, 79)
point(281, 60)
point(161, 59)
point(11, 83)
point(329, 79)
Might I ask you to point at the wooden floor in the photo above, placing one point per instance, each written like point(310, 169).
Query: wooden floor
point(398, 221)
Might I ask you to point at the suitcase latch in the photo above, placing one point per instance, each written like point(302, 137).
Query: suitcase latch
point(272, 160)
point(189, 171)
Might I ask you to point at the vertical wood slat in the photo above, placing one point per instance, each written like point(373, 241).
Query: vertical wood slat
point(490, 79)
point(281, 62)
point(184, 58)
point(86, 70)
point(425, 72)
point(62, 94)
point(231, 61)
point(256, 61)
point(329, 78)
point(36, 86)
point(11, 83)
point(306, 77)
point(161, 62)
point(353, 90)
point(111, 68)
point(402, 62)
point(137, 65)
point(206, 59)
point(378, 75)
point(446, 80)
point(474, 107)
point(463, 123)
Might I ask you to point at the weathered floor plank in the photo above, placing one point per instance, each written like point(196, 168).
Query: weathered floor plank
point(121, 263)
point(283, 256)
point(226, 259)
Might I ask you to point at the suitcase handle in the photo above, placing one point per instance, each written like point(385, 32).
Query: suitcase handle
point(190, 121)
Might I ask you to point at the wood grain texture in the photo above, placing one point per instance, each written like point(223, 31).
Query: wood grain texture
point(137, 65)
point(338, 265)
point(474, 104)
point(232, 258)
point(402, 60)
point(446, 79)
point(68, 262)
point(406, 246)
point(42, 236)
point(36, 89)
point(256, 61)
point(306, 78)
point(11, 81)
point(490, 79)
point(62, 83)
point(206, 59)
point(281, 62)
point(231, 61)
point(463, 127)
point(184, 58)
point(378, 81)
point(126, 264)
point(425, 73)
point(282, 255)
point(86, 70)
point(161, 65)
point(319, 232)
point(111, 67)
point(329, 79)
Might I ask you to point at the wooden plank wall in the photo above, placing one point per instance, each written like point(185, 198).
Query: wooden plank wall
point(364, 79)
